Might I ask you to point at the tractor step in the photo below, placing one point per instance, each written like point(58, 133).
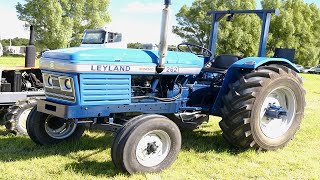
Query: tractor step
point(190, 108)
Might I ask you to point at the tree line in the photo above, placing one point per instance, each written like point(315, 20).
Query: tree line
point(298, 27)
point(15, 42)
point(61, 23)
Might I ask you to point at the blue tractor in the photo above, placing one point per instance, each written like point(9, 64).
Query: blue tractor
point(144, 96)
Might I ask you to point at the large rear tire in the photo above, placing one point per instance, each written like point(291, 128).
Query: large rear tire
point(147, 143)
point(246, 121)
point(16, 116)
point(46, 129)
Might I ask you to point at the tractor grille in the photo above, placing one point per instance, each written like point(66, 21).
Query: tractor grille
point(105, 89)
point(56, 92)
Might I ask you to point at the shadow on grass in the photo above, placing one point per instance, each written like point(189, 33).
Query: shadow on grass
point(204, 141)
point(94, 168)
point(15, 148)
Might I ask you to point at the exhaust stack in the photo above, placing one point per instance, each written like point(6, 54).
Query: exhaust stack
point(30, 58)
point(163, 46)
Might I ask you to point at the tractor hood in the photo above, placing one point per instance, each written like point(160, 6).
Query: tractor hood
point(105, 59)
point(102, 55)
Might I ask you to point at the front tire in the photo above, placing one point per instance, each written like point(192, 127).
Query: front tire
point(246, 120)
point(46, 129)
point(147, 143)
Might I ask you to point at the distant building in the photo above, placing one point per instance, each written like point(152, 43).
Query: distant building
point(1, 49)
point(21, 50)
point(149, 46)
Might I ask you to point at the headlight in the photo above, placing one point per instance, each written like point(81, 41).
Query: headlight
point(48, 81)
point(67, 84)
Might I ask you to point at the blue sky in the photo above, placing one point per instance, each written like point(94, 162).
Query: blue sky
point(138, 20)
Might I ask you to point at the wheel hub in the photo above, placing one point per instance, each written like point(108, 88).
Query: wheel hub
point(273, 111)
point(277, 112)
point(153, 148)
point(58, 128)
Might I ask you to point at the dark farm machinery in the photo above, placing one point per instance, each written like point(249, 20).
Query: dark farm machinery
point(139, 94)
point(20, 87)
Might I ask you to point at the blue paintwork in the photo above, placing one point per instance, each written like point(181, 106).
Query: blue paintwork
point(85, 111)
point(100, 55)
point(259, 61)
point(246, 63)
point(103, 89)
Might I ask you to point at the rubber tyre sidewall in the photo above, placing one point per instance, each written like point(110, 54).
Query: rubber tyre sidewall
point(19, 128)
point(37, 132)
point(264, 141)
point(130, 162)
point(122, 132)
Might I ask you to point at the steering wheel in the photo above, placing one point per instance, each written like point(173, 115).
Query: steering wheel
point(204, 52)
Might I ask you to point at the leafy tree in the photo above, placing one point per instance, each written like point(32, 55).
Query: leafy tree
point(241, 36)
point(15, 42)
point(298, 27)
point(135, 45)
point(61, 23)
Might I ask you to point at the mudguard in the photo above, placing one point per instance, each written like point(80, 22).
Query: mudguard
point(246, 63)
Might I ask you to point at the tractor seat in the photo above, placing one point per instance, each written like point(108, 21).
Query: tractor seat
point(222, 62)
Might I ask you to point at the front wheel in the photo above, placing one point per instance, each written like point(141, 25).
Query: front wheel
point(263, 109)
point(147, 143)
point(46, 129)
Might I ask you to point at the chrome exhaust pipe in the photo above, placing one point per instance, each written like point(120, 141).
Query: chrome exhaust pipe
point(163, 46)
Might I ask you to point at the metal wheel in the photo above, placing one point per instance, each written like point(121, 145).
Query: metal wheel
point(153, 148)
point(282, 99)
point(22, 121)
point(58, 128)
point(146, 143)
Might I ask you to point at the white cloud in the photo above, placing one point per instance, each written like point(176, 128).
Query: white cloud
point(142, 8)
point(10, 25)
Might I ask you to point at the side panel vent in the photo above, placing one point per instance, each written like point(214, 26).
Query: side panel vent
point(99, 89)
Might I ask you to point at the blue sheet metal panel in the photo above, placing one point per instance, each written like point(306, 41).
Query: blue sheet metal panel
point(98, 89)
point(246, 63)
point(255, 62)
point(101, 55)
point(85, 111)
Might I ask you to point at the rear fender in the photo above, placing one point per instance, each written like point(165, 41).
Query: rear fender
point(246, 64)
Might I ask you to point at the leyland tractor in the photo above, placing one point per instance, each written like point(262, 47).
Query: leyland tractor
point(146, 96)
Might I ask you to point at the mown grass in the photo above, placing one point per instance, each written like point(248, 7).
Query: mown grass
point(13, 61)
point(204, 155)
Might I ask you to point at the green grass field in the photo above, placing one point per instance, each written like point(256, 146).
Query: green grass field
point(13, 61)
point(204, 154)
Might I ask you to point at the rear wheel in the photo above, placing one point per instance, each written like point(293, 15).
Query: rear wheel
point(16, 116)
point(147, 143)
point(47, 129)
point(263, 109)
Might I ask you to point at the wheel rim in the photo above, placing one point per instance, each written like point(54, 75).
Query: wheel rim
point(153, 148)
point(22, 120)
point(276, 127)
point(58, 128)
